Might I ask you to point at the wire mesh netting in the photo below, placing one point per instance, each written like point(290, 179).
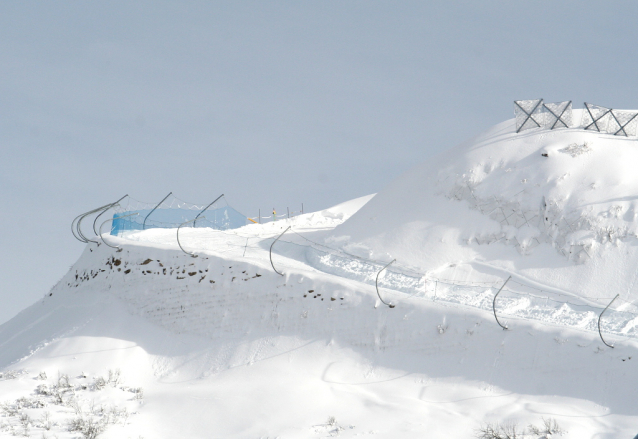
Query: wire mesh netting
point(595, 118)
point(622, 123)
point(529, 114)
point(557, 115)
point(131, 215)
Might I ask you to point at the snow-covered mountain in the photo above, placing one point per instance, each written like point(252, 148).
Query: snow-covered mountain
point(152, 342)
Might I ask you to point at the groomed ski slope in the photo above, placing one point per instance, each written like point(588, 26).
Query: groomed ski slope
point(224, 347)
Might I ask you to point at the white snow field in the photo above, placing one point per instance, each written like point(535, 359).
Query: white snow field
point(151, 342)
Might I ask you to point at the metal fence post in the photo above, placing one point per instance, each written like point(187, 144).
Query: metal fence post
point(494, 304)
point(178, 243)
point(73, 229)
point(600, 316)
point(158, 205)
point(113, 219)
point(204, 209)
point(271, 245)
point(75, 226)
point(101, 213)
point(376, 284)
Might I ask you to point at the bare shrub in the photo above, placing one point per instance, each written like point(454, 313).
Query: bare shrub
point(75, 404)
point(43, 389)
point(99, 383)
point(45, 421)
point(25, 422)
point(89, 428)
point(63, 381)
point(549, 428)
point(30, 403)
point(115, 377)
point(499, 431)
point(9, 409)
point(139, 393)
point(11, 374)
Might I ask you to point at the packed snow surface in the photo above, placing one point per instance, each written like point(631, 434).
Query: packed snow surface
point(142, 338)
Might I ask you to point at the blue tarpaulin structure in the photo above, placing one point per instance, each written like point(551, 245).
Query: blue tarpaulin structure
point(222, 218)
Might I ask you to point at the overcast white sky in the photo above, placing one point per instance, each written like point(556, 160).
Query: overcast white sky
point(272, 103)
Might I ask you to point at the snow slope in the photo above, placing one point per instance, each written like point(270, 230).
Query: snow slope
point(221, 346)
point(555, 207)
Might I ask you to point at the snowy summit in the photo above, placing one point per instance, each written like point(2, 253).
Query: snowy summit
point(556, 207)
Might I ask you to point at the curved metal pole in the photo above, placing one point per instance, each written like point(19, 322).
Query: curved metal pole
point(78, 225)
point(376, 284)
point(271, 245)
point(204, 210)
point(113, 219)
point(80, 217)
point(73, 228)
point(158, 205)
point(78, 230)
point(101, 213)
point(178, 243)
point(494, 304)
point(600, 316)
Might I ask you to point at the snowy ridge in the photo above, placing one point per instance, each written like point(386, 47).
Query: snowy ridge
point(223, 346)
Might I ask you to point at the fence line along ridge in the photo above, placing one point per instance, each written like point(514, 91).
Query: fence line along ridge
point(535, 113)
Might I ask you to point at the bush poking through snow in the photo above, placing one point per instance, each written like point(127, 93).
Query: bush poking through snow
point(89, 428)
point(75, 404)
point(99, 383)
point(139, 393)
point(73, 414)
point(11, 374)
point(63, 381)
point(510, 430)
point(45, 421)
point(43, 389)
point(25, 422)
point(499, 431)
point(8, 409)
point(331, 427)
point(549, 428)
point(114, 377)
